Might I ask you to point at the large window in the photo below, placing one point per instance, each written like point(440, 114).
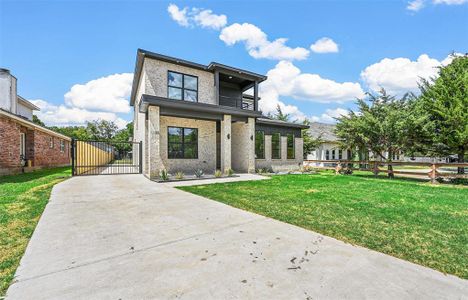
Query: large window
point(182, 87)
point(327, 154)
point(260, 144)
point(290, 146)
point(182, 142)
point(276, 146)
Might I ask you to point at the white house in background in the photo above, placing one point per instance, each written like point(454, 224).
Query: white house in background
point(329, 149)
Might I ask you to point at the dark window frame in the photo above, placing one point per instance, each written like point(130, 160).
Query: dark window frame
point(183, 88)
point(263, 154)
point(279, 146)
point(293, 146)
point(181, 143)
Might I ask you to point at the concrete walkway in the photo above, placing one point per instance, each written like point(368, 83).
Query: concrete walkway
point(125, 237)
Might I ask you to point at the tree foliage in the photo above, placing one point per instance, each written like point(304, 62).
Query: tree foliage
point(442, 107)
point(310, 143)
point(37, 121)
point(379, 126)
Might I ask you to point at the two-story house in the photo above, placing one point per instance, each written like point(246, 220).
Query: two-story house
point(191, 116)
point(25, 145)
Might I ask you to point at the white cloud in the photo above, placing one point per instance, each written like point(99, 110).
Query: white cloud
point(287, 80)
point(401, 75)
point(108, 93)
point(178, 15)
point(324, 45)
point(415, 5)
point(62, 115)
point(206, 19)
point(201, 17)
point(450, 2)
point(329, 115)
point(258, 45)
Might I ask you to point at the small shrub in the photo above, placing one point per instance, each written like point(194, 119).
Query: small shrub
point(199, 173)
point(163, 175)
point(179, 175)
point(229, 172)
point(218, 173)
point(346, 171)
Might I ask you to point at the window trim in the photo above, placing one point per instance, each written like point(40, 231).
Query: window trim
point(262, 131)
point(183, 143)
point(183, 86)
point(293, 146)
point(279, 148)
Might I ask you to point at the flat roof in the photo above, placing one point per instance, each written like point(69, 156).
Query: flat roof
point(211, 67)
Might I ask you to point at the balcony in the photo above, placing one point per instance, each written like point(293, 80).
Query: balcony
point(246, 102)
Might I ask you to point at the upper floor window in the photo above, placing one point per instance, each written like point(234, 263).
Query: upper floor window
point(276, 146)
point(182, 87)
point(260, 144)
point(290, 146)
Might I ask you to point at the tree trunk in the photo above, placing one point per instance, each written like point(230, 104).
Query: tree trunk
point(390, 171)
point(461, 159)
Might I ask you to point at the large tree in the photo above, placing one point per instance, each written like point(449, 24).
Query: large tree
point(442, 108)
point(101, 130)
point(380, 125)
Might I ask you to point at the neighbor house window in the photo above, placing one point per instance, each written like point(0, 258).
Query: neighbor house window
point(333, 154)
point(23, 145)
point(182, 142)
point(327, 155)
point(340, 154)
point(51, 142)
point(62, 146)
point(276, 146)
point(182, 87)
point(290, 146)
point(260, 144)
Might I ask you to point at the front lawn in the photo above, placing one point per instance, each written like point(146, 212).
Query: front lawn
point(415, 221)
point(22, 199)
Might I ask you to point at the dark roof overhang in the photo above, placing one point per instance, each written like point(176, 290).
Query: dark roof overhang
point(281, 123)
point(186, 109)
point(141, 54)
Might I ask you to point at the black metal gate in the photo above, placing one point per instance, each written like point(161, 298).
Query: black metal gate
point(105, 157)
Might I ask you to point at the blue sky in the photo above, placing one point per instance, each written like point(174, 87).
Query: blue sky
point(52, 46)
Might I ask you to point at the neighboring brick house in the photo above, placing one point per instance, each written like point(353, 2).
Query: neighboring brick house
point(22, 142)
point(191, 116)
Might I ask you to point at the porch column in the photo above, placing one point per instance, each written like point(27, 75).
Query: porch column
point(251, 145)
point(226, 143)
point(155, 163)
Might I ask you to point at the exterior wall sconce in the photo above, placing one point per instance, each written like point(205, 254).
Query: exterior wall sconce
point(251, 137)
point(228, 136)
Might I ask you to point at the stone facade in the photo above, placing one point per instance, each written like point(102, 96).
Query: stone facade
point(156, 79)
point(243, 146)
point(39, 154)
point(283, 164)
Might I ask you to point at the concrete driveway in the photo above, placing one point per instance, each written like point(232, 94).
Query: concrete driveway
point(125, 237)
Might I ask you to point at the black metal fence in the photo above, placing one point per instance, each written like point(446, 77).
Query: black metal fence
point(105, 157)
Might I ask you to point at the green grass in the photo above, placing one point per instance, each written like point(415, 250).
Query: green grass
point(406, 218)
point(22, 200)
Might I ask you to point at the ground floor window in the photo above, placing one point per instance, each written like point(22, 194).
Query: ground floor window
point(333, 154)
point(260, 144)
point(340, 154)
point(62, 146)
point(182, 142)
point(290, 146)
point(327, 155)
point(276, 146)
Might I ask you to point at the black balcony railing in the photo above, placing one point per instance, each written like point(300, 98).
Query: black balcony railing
point(242, 103)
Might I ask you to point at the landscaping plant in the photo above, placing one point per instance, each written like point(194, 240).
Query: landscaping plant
point(199, 173)
point(163, 175)
point(218, 173)
point(179, 175)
